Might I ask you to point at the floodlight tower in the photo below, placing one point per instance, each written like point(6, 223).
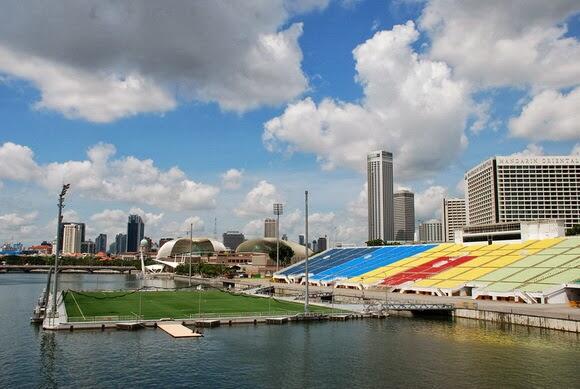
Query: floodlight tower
point(278, 210)
point(144, 243)
point(57, 252)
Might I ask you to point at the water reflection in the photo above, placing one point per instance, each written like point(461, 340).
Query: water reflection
point(48, 372)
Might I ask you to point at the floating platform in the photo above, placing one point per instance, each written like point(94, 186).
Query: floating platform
point(208, 323)
point(276, 320)
point(129, 326)
point(179, 330)
point(339, 317)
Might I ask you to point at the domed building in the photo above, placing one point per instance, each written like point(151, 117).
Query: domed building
point(266, 245)
point(176, 249)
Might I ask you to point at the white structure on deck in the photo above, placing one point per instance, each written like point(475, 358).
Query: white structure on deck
point(176, 251)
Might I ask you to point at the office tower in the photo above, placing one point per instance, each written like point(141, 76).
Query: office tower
point(232, 239)
point(82, 232)
point(431, 231)
point(509, 189)
point(113, 248)
point(88, 247)
point(314, 245)
point(380, 195)
point(454, 217)
point(135, 232)
point(322, 243)
point(71, 239)
point(284, 237)
point(301, 240)
point(269, 228)
point(121, 243)
point(101, 243)
point(404, 205)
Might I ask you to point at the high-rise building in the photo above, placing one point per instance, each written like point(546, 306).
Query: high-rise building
point(454, 217)
point(301, 240)
point(135, 233)
point(88, 247)
point(121, 243)
point(509, 189)
point(82, 232)
point(269, 228)
point(71, 239)
point(232, 239)
point(314, 246)
point(380, 195)
point(404, 205)
point(322, 243)
point(113, 248)
point(284, 237)
point(431, 231)
point(101, 243)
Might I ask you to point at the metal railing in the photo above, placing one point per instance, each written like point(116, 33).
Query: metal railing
point(201, 316)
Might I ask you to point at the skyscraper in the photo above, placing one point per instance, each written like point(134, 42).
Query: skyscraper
point(454, 217)
point(232, 239)
point(322, 243)
point(71, 239)
point(380, 195)
point(270, 228)
point(121, 243)
point(431, 231)
point(135, 233)
point(301, 240)
point(509, 189)
point(81, 229)
point(101, 243)
point(404, 205)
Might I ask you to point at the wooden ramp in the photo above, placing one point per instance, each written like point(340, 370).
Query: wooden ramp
point(178, 330)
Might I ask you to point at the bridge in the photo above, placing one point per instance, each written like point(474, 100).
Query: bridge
point(67, 268)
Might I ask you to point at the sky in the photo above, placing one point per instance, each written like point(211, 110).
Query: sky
point(206, 113)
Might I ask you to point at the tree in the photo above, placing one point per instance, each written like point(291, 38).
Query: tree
point(573, 231)
point(375, 242)
point(286, 254)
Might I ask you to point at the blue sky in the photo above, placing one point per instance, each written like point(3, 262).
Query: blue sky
point(288, 94)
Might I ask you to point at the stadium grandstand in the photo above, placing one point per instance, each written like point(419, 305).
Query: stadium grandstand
point(534, 271)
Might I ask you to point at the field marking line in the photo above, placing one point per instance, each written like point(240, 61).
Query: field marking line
point(78, 306)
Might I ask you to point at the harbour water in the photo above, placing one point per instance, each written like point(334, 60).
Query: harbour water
point(395, 352)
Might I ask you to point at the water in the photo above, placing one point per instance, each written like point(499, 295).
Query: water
point(396, 352)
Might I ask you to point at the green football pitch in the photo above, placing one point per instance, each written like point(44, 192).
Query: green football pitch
point(172, 304)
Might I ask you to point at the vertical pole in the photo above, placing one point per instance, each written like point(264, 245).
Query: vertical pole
point(190, 249)
point(306, 249)
point(57, 253)
point(277, 241)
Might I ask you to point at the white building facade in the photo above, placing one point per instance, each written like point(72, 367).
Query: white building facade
point(509, 189)
point(71, 239)
point(380, 196)
point(454, 217)
point(431, 231)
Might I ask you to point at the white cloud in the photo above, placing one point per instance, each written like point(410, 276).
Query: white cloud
point(125, 179)
point(232, 179)
point(531, 150)
point(102, 61)
point(17, 162)
point(254, 228)
point(77, 93)
point(17, 225)
point(412, 107)
point(359, 207)
point(550, 115)
point(182, 229)
point(149, 218)
point(504, 43)
point(575, 150)
point(259, 200)
point(429, 202)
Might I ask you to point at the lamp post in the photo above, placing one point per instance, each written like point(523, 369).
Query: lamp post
point(59, 238)
point(278, 210)
point(306, 248)
point(190, 249)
